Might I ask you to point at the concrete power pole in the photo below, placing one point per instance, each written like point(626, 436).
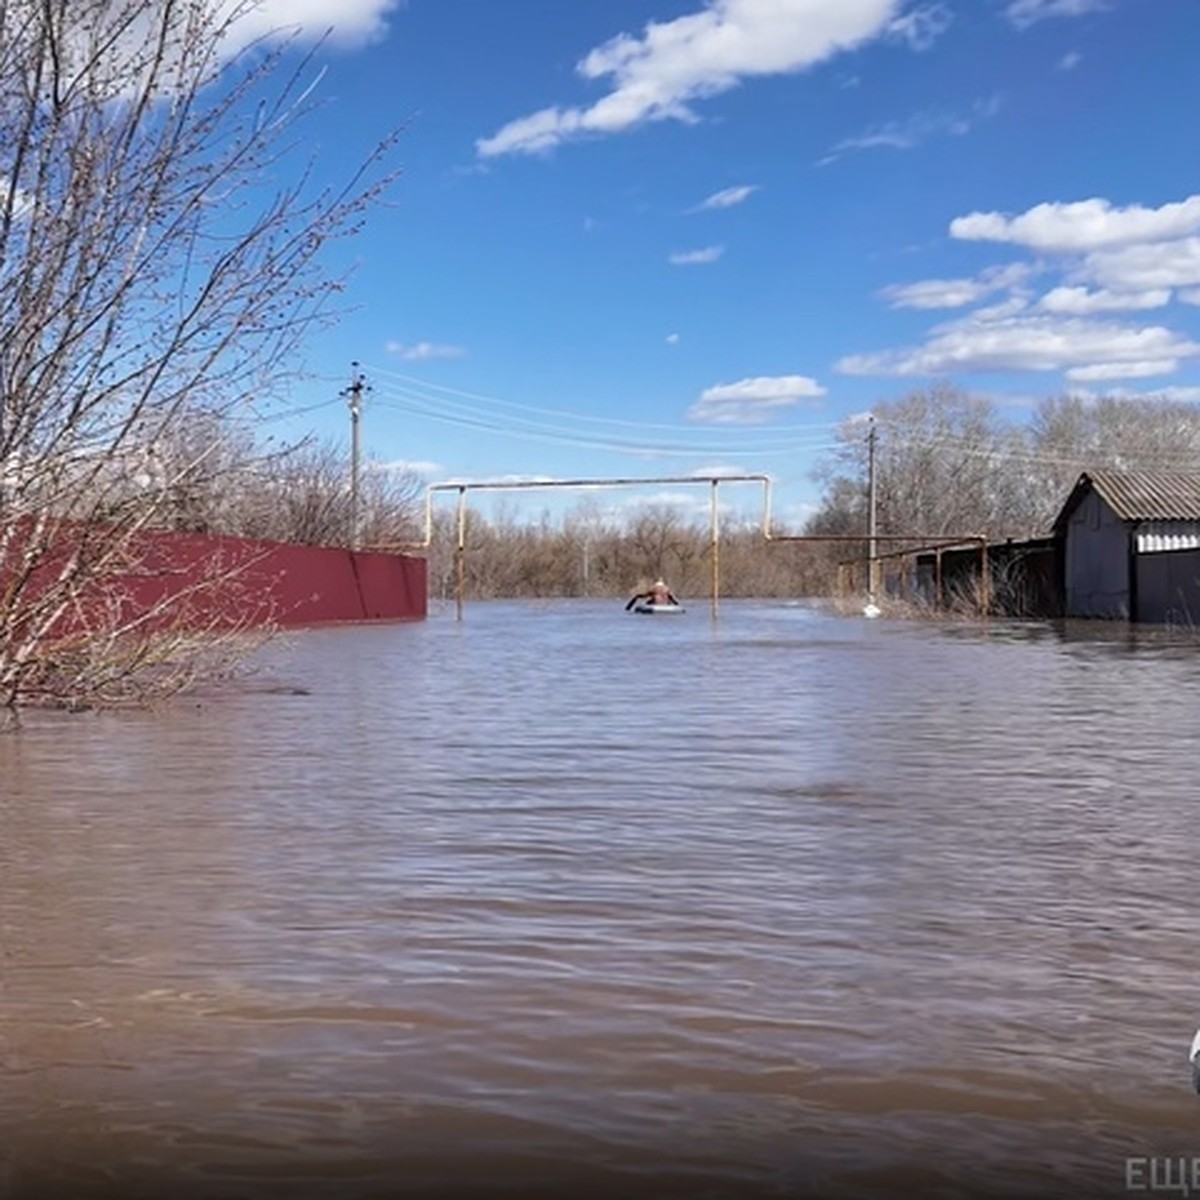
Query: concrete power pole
point(872, 609)
point(354, 399)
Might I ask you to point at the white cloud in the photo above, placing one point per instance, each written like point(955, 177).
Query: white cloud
point(1023, 13)
point(1176, 395)
point(672, 339)
point(911, 131)
point(348, 21)
point(691, 258)
point(1145, 267)
point(934, 293)
point(417, 466)
point(1002, 310)
point(423, 351)
point(692, 504)
point(1112, 261)
point(1125, 370)
point(752, 401)
point(1028, 342)
point(110, 45)
point(921, 27)
point(1070, 60)
point(721, 470)
point(728, 197)
point(955, 293)
point(672, 499)
point(1079, 301)
point(798, 515)
point(658, 75)
point(1081, 226)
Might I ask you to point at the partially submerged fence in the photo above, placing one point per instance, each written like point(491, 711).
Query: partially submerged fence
point(180, 581)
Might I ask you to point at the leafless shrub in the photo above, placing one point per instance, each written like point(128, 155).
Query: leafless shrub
point(153, 277)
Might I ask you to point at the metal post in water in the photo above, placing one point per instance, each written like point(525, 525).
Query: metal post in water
point(985, 583)
point(460, 555)
point(872, 548)
point(716, 560)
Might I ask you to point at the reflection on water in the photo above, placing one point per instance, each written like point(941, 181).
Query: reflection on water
point(563, 901)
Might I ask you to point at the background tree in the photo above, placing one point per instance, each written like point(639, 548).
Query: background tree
point(507, 558)
point(942, 467)
point(155, 274)
point(948, 462)
point(1069, 434)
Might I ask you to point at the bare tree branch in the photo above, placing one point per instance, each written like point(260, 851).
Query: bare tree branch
point(160, 266)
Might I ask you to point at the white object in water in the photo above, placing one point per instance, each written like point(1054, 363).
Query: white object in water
point(648, 606)
point(1194, 1058)
point(871, 611)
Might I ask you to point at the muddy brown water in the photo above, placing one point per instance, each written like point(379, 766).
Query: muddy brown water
point(561, 901)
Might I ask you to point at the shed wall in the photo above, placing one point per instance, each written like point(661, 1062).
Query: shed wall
point(1025, 577)
point(1168, 587)
point(1096, 561)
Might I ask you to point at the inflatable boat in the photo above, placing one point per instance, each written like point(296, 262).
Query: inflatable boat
point(648, 606)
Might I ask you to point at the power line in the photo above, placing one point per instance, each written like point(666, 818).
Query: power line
point(415, 403)
point(1082, 458)
point(283, 414)
point(412, 383)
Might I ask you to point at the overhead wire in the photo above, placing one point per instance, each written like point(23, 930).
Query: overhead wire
point(417, 402)
point(414, 397)
point(283, 414)
point(964, 446)
point(440, 408)
point(496, 402)
point(472, 410)
point(636, 449)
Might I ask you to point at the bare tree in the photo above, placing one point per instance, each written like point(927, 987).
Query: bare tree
point(506, 557)
point(1070, 434)
point(949, 463)
point(302, 494)
point(660, 538)
point(943, 465)
point(155, 274)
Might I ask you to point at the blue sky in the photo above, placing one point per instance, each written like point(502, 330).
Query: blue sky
point(658, 237)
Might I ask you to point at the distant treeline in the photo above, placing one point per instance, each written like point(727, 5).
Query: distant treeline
point(587, 555)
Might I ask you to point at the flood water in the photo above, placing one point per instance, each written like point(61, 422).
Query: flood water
point(563, 901)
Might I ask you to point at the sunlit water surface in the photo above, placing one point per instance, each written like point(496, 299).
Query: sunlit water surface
point(560, 900)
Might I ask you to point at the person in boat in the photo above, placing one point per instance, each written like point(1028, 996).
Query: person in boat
point(659, 593)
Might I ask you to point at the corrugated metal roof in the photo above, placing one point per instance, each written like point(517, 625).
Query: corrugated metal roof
point(1149, 495)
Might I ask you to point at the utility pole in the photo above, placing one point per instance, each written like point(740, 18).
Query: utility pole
point(354, 399)
point(872, 563)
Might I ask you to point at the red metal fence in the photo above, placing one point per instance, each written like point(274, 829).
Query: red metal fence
point(192, 580)
point(284, 584)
